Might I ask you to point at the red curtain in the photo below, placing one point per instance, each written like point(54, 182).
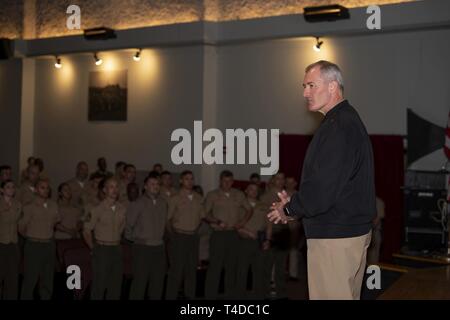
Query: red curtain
point(292, 153)
point(389, 178)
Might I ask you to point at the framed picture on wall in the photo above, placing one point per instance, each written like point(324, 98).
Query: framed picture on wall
point(108, 95)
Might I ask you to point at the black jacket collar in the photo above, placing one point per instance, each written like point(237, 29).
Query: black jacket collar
point(336, 108)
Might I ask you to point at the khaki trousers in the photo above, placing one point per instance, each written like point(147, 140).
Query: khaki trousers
point(336, 267)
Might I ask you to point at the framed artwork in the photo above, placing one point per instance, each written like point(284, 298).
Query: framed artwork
point(108, 95)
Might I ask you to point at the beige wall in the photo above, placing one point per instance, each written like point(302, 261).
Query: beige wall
point(164, 93)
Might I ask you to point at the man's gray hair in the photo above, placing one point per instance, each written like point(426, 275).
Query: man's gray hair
point(329, 72)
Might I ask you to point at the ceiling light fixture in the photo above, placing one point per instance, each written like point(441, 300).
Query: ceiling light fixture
point(137, 56)
point(98, 61)
point(318, 44)
point(58, 63)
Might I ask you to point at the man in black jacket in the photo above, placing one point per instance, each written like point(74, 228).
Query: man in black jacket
point(336, 198)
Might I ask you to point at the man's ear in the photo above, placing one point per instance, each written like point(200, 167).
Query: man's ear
point(332, 86)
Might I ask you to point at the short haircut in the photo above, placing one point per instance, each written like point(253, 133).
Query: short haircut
point(105, 180)
point(5, 167)
point(278, 173)
point(185, 173)
point(120, 163)
point(157, 165)
point(4, 183)
point(129, 166)
point(79, 164)
point(152, 175)
point(226, 174)
point(60, 187)
point(39, 163)
point(251, 184)
point(132, 185)
point(165, 172)
point(33, 166)
point(96, 175)
point(42, 181)
point(329, 71)
point(111, 178)
point(100, 159)
point(255, 175)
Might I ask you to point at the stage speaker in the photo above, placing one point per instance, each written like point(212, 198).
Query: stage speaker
point(6, 49)
point(426, 219)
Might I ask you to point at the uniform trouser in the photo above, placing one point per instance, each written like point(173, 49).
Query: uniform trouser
point(204, 232)
point(39, 265)
point(107, 268)
point(250, 257)
point(223, 253)
point(183, 258)
point(276, 259)
point(9, 270)
point(336, 267)
point(149, 269)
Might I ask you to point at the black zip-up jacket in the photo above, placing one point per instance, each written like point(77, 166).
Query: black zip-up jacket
point(336, 197)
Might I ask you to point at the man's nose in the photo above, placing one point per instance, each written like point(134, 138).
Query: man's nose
point(305, 93)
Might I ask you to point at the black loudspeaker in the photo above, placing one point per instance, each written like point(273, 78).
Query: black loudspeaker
point(426, 220)
point(6, 49)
